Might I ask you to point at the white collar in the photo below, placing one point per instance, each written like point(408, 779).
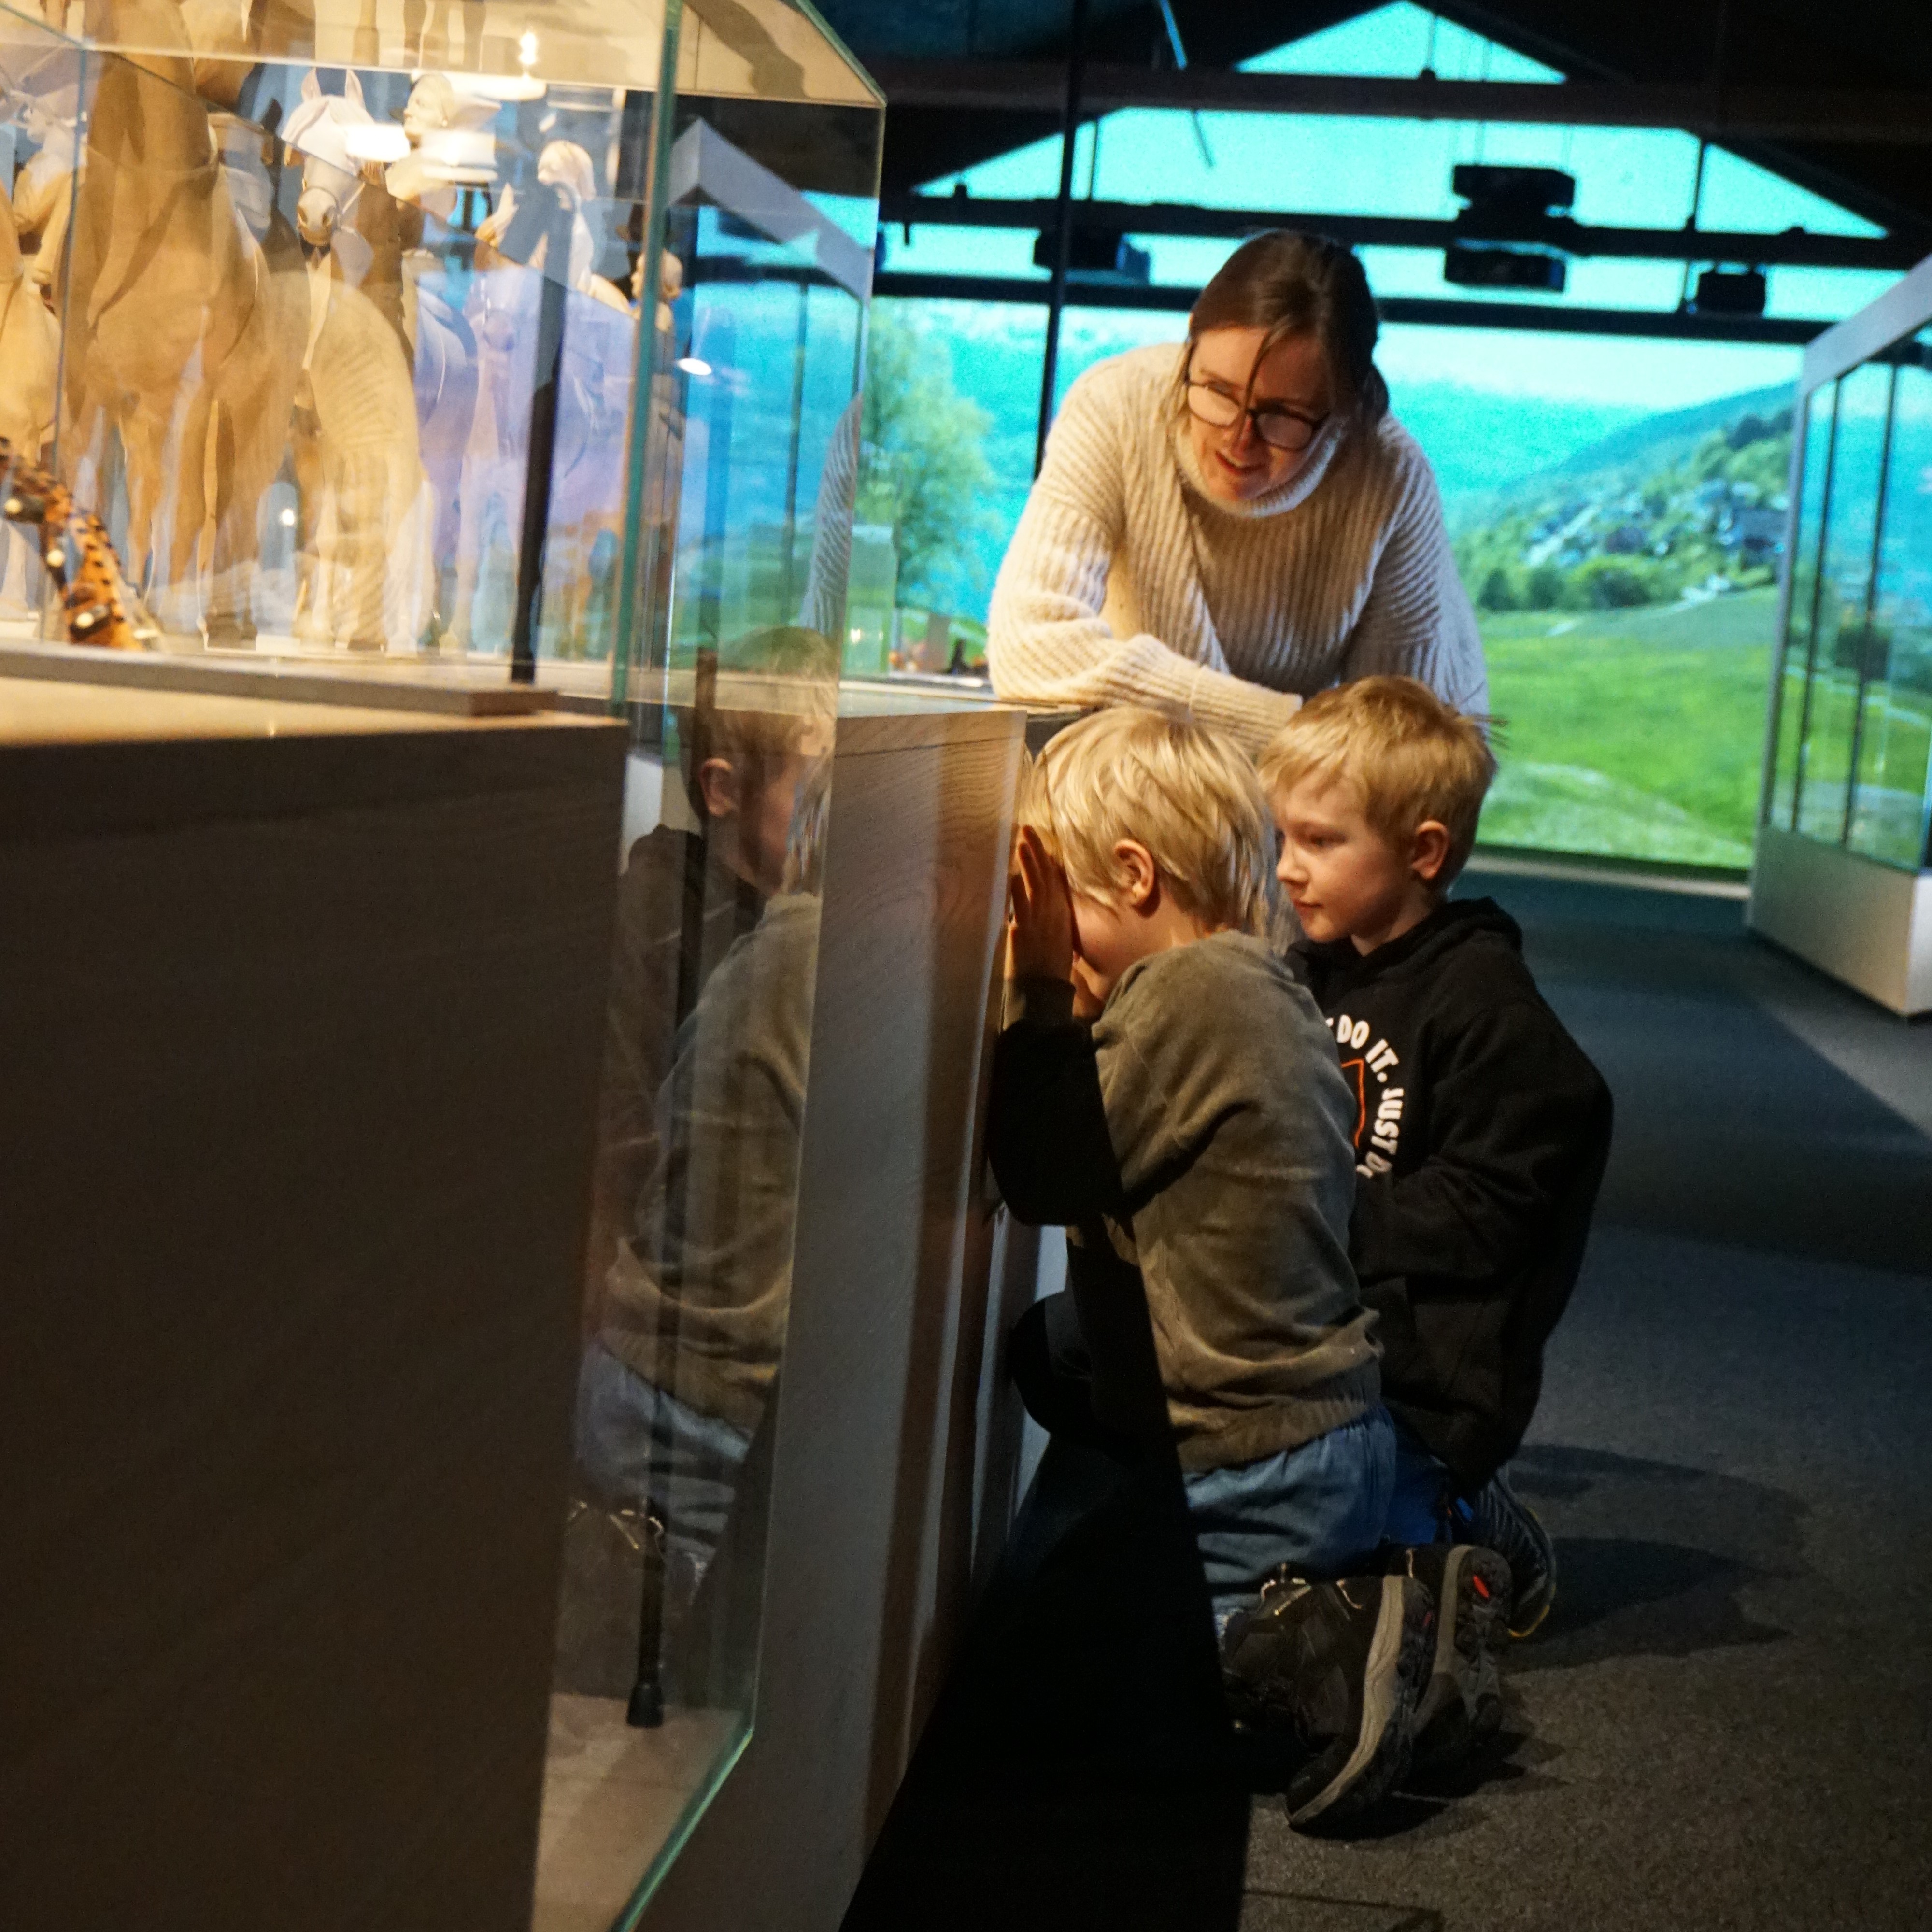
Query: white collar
point(1296, 491)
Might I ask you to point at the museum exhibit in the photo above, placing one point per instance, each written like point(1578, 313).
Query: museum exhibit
point(965, 965)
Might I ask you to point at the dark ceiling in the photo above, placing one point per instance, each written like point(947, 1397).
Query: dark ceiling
point(1855, 43)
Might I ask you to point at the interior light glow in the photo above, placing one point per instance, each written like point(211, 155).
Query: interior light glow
point(692, 366)
point(382, 142)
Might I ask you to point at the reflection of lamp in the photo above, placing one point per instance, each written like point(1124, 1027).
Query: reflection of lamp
point(524, 86)
point(694, 365)
point(465, 154)
point(381, 141)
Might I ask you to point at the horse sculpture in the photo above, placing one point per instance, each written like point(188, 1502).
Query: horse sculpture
point(355, 442)
point(192, 331)
point(29, 369)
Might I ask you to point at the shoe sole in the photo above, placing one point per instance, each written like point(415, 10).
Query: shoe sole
point(1390, 1683)
point(1463, 1701)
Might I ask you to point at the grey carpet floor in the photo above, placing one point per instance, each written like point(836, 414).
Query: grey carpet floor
point(1728, 1719)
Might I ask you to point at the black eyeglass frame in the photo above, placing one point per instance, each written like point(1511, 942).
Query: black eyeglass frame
point(1262, 416)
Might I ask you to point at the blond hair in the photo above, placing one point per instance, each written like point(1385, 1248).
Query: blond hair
point(1407, 756)
point(1188, 794)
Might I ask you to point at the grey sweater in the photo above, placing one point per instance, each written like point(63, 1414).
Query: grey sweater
point(1197, 1140)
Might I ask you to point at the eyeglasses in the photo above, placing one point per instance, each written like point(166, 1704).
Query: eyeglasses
point(1278, 428)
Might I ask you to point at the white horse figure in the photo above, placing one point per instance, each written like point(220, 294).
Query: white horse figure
point(364, 576)
point(43, 189)
point(29, 375)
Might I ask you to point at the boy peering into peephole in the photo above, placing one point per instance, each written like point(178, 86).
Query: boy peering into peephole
point(1164, 1090)
point(1480, 1128)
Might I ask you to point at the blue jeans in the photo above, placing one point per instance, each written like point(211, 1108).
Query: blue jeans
point(1424, 1490)
point(1321, 1507)
point(638, 1444)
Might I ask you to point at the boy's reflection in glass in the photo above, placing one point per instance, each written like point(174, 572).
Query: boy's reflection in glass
point(714, 988)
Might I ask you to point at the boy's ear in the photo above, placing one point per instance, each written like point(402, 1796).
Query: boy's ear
point(718, 784)
point(1430, 852)
point(1135, 869)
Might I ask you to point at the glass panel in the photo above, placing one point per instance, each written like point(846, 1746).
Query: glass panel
point(742, 476)
point(578, 42)
point(1796, 661)
point(951, 418)
point(40, 104)
point(356, 373)
point(1888, 815)
point(1858, 467)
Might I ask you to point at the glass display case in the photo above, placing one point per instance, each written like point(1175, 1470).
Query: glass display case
point(1854, 696)
point(435, 345)
point(1848, 762)
point(344, 300)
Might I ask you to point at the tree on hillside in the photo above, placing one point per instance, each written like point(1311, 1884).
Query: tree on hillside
point(1498, 593)
point(922, 461)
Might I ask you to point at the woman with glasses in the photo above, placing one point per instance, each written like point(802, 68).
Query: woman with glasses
point(1221, 530)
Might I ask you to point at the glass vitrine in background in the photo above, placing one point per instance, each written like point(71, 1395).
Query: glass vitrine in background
point(1853, 715)
point(1843, 871)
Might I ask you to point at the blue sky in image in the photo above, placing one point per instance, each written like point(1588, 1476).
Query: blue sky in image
point(1316, 164)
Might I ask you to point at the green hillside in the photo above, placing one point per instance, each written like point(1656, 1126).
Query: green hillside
point(1635, 733)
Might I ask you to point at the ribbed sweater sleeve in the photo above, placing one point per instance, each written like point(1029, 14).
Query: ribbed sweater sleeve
point(1243, 609)
point(1418, 621)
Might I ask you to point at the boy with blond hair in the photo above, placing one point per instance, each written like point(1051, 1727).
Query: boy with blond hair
point(1164, 1090)
point(1480, 1128)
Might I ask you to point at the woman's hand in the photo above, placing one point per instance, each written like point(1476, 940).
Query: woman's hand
point(1039, 919)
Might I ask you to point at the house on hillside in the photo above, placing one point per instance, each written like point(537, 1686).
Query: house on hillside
point(1755, 533)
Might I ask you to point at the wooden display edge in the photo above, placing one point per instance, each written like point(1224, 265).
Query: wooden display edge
point(291, 681)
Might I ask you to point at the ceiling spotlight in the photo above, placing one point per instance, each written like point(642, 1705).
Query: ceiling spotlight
point(1510, 211)
point(1729, 292)
point(692, 365)
point(1505, 268)
point(1096, 255)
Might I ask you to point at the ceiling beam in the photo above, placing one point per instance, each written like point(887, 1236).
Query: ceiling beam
point(1894, 116)
point(1437, 310)
point(1796, 247)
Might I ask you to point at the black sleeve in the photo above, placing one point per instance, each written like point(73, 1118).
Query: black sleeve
point(1512, 1115)
point(1046, 1126)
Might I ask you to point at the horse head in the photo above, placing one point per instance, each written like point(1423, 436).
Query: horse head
point(331, 175)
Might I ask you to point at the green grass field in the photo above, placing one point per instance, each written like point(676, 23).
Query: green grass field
point(1631, 733)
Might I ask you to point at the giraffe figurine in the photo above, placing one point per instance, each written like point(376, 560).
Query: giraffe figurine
point(76, 551)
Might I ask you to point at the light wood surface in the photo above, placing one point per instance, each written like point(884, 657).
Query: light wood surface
point(300, 1039)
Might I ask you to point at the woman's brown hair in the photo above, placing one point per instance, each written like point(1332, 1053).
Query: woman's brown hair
point(1286, 283)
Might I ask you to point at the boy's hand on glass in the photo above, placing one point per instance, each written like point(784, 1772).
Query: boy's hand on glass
point(1039, 919)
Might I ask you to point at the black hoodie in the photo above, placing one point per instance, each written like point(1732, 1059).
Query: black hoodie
point(1481, 1131)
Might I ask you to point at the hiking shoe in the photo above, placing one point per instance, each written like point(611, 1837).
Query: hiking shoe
point(1461, 1705)
point(1340, 1667)
point(1500, 1520)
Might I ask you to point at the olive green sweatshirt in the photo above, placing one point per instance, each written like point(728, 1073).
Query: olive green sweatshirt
point(1196, 1139)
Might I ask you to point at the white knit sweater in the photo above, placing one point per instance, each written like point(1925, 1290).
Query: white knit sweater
point(1125, 582)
